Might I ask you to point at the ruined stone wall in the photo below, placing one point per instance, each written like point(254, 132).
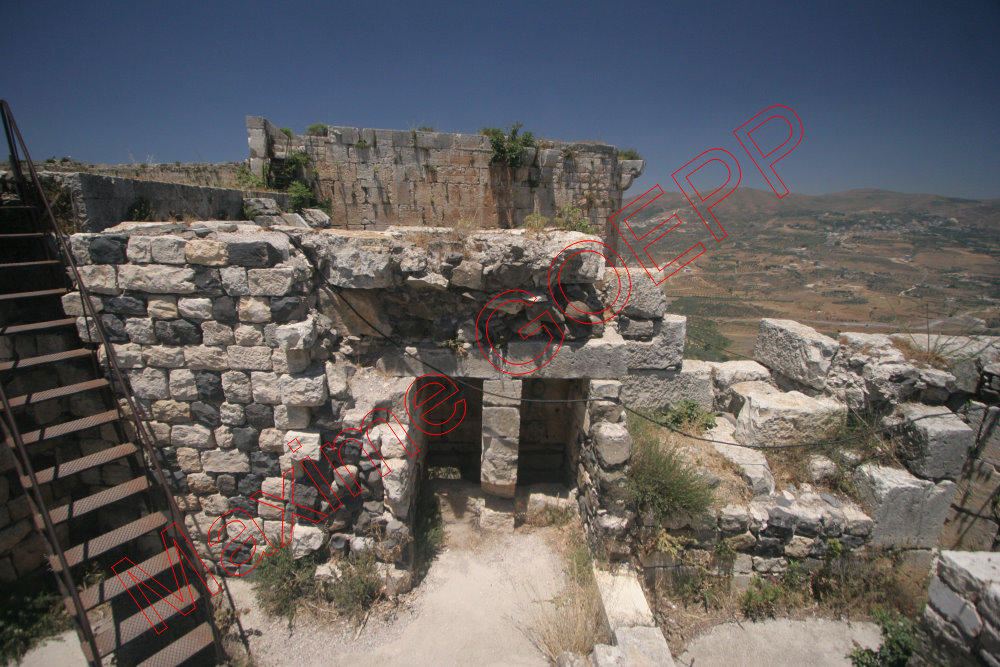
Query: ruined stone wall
point(962, 617)
point(399, 177)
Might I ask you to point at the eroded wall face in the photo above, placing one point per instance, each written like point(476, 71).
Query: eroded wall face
point(399, 177)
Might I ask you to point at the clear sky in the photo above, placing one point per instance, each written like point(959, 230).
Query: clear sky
point(901, 95)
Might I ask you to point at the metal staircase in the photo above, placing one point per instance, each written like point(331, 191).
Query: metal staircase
point(86, 462)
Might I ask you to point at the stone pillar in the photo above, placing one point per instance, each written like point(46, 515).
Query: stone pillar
point(501, 433)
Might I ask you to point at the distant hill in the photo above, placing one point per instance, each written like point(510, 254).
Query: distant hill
point(751, 205)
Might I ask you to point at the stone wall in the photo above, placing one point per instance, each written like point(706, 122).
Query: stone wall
point(102, 201)
point(399, 177)
point(973, 522)
point(962, 617)
point(239, 340)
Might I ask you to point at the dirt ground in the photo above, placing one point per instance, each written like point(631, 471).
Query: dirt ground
point(470, 609)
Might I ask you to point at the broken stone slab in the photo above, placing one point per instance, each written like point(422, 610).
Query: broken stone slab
point(963, 354)
point(725, 374)
point(665, 350)
point(623, 602)
point(908, 512)
point(643, 645)
point(662, 389)
point(612, 443)
point(774, 418)
point(795, 350)
point(934, 447)
point(753, 465)
point(646, 301)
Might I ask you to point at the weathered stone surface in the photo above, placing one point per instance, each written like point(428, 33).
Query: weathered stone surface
point(254, 254)
point(725, 374)
point(206, 357)
point(167, 249)
point(399, 487)
point(177, 332)
point(237, 387)
point(99, 278)
point(156, 279)
point(182, 385)
point(501, 428)
point(907, 511)
point(612, 443)
point(306, 539)
point(249, 358)
point(149, 383)
point(162, 307)
point(255, 309)
point(657, 390)
point(270, 282)
point(296, 336)
point(304, 390)
point(646, 300)
point(752, 463)
point(195, 436)
point(231, 461)
point(665, 350)
point(952, 607)
point(206, 252)
point(188, 459)
point(643, 645)
point(468, 274)
point(784, 418)
point(108, 249)
point(934, 447)
point(795, 350)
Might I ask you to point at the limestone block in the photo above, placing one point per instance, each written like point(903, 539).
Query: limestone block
point(195, 309)
point(225, 461)
point(735, 398)
point(188, 459)
point(266, 387)
point(959, 611)
point(399, 487)
point(156, 279)
point(665, 350)
point(140, 250)
point(795, 350)
point(182, 385)
point(725, 374)
point(149, 383)
point(908, 512)
point(646, 301)
point(213, 333)
point(661, 389)
point(622, 599)
point(752, 463)
point(511, 389)
point(167, 250)
point(270, 282)
point(468, 274)
point(289, 416)
point(306, 539)
point(73, 304)
point(643, 645)
point(162, 307)
point(935, 447)
point(254, 254)
point(140, 330)
point(99, 278)
point(210, 358)
point(195, 436)
point(237, 387)
point(971, 574)
point(605, 389)
point(784, 418)
point(612, 443)
point(254, 309)
point(296, 336)
point(249, 358)
point(501, 429)
point(206, 252)
point(304, 390)
point(129, 355)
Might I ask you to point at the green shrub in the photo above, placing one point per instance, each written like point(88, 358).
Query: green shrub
point(687, 414)
point(287, 131)
point(660, 480)
point(318, 130)
point(508, 145)
point(898, 645)
point(300, 195)
point(140, 211)
point(358, 586)
point(281, 173)
point(31, 610)
point(535, 222)
point(248, 180)
point(572, 219)
point(426, 128)
point(629, 154)
point(281, 581)
point(362, 143)
point(762, 599)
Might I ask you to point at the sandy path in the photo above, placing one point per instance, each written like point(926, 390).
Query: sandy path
point(468, 610)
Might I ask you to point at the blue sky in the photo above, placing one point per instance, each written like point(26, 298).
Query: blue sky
point(897, 95)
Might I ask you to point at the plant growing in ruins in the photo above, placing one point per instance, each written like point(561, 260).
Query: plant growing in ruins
point(287, 131)
point(425, 128)
point(508, 145)
point(659, 479)
point(572, 219)
point(32, 611)
point(358, 587)
point(362, 143)
point(318, 130)
point(248, 180)
point(139, 211)
point(280, 582)
point(629, 154)
point(300, 196)
point(687, 415)
point(898, 645)
point(535, 222)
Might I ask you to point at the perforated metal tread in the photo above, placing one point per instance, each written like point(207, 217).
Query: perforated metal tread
point(142, 621)
point(57, 392)
point(184, 648)
point(78, 508)
point(50, 432)
point(36, 326)
point(104, 543)
point(27, 362)
point(113, 587)
point(30, 295)
point(76, 466)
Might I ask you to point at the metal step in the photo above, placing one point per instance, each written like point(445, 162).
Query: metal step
point(184, 648)
point(141, 622)
point(23, 235)
point(36, 326)
point(50, 432)
point(76, 466)
point(111, 588)
point(78, 508)
point(58, 392)
point(25, 265)
point(44, 359)
point(116, 538)
point(30, 295)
